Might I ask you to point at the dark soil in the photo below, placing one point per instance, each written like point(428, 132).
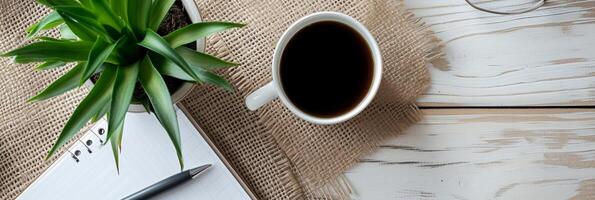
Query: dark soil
point(175, 19)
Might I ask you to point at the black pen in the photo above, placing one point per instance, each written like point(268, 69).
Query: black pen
point(167, 183)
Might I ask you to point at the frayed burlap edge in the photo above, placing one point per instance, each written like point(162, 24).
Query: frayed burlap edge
point(338, 188)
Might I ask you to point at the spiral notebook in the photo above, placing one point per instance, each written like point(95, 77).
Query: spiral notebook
point(87, 170)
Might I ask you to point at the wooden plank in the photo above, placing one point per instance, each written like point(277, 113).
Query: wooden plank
point(542, 58)
point(485, 154)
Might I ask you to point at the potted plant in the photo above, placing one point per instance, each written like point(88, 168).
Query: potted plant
point(114, 45)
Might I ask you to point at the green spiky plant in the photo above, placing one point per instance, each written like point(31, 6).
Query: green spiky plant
point(117, 40)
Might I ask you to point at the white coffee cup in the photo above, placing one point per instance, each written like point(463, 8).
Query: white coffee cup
point(274, 89)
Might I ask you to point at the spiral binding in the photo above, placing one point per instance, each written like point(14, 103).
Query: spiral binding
point(89, 142)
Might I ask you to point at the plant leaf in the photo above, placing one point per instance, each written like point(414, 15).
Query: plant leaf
point(66, 33)
point(116, 143)
point(203, 60)
point(101, 113)
point(160, 98)
point(54, 3)
point(138, 16)
point(212, 78)
point(120, 8)
point(155, 43)
point(111, 31)
point(126, 50)
point(147, 104)
point(50, 65)
point(87, 3)
point(76, 11)
point(106, 14)
point(83, 22)
point(43, 38)
point(67, 51)
point(196, 31)
point(83, 32)
point(91, 104)
point(97, 56)
point(63, 84)
point(126, 77)
point(159, 10)
point(166, 67)
point(50, 21)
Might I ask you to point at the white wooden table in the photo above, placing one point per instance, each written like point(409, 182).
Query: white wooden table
point(510, 113)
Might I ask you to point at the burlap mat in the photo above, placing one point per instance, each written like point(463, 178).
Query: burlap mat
point(278, 155)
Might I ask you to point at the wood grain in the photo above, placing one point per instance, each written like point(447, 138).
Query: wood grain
point(542, 58)
point(485, 154)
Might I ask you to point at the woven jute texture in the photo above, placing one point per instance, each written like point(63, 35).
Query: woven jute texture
point(278, 155)
point(29, 129)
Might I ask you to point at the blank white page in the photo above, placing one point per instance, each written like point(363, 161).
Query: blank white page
point(147, 157)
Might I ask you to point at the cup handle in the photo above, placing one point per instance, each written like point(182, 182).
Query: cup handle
point(261, 96)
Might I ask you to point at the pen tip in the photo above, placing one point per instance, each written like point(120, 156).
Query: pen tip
point(198, 170)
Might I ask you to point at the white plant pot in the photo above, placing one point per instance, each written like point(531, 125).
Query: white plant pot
point(192, 10)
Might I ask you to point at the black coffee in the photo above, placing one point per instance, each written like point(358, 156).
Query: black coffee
point(326, 69)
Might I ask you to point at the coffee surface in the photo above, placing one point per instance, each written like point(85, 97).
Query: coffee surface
point(326, 69)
